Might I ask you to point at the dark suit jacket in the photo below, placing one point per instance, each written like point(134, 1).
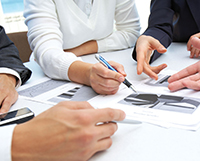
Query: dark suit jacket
point(9, 57)
point(172, 20)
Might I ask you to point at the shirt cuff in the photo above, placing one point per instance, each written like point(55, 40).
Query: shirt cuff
point(12, 72)
point(6, 133)
point(101, 45)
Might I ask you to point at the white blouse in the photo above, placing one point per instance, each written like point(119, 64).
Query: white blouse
point(85, 6)
point(54, 25)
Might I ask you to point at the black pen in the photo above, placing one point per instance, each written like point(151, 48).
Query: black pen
point(106, 64)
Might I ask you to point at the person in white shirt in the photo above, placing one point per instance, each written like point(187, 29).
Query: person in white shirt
point(60, 30)
point(190, 76)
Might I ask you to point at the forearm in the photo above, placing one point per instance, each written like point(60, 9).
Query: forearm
point(89, 47)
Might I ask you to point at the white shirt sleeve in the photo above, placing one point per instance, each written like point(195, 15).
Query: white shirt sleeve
point(47, 44)
point(6, 133)
point(12, 72)
point(127, 25)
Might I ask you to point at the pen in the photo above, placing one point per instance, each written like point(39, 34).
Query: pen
point(106, 64)
point(128, 121)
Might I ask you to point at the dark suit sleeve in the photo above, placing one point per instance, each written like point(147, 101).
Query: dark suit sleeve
point(160, 25)
point(9, 57)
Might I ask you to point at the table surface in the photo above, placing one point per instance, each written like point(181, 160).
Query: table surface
point(145, 141)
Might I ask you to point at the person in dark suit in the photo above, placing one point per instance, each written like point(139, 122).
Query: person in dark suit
point(169, 20)
point(12, 72)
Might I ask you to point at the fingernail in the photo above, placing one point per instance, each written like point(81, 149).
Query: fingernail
point(124, 115)
point(164, 66)
point(161, 48)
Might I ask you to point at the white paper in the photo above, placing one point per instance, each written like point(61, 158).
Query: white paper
point(167, 109)
point(55, 91)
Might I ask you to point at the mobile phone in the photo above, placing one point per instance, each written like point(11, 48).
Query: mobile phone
point(16, 117)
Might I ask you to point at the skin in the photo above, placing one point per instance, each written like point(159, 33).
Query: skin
point(8, 93)
point(188, 77)
point(67, 131)
point(144, 47)
point(193, 46)
point(101, 79)
point(85, 48)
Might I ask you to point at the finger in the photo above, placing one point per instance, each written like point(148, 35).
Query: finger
point(140, 64)
point(149, 72)
point(156, 45)
point(8, 101)
point(105, 130)
point(75, 105)
point(118, 67)
point(97, 80)
point(103, 144)
point(108, 74)
point(141, 57)
point(107, 115)
point(195, 41)
point(189, 45)
point(157, 69)
point(174, 86)
point(197, 53)
point(185, 83)
point(192, 84)
point(191, 70)
point(6, 104)
point(106, 90)
point(192, 52)
point(145, 49)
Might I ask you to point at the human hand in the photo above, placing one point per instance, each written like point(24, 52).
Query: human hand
point(8, 94)
point(188, 77)
point(67, 131)
point(100, 78)
point(193, 46)
point(104, 80)
point(144, 47)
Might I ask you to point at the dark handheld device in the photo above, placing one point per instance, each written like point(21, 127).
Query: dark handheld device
point(16, 117)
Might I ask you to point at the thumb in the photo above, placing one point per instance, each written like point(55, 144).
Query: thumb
point(158, 46)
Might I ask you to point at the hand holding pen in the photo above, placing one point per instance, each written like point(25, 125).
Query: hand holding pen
point(106, 64)
point(105, 81)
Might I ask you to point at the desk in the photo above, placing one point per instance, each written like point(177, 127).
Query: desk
point(146, 142)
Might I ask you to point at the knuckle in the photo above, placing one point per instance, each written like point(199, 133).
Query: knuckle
point(87, 153)
point(106, 83)
point(111, 113)
point(87, 137)
point(84, 118)
point(105, 73)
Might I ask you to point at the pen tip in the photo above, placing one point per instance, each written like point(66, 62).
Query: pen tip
point(133, 89)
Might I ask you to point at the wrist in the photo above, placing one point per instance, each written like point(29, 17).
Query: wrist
point(80, 72)
point(12, 79)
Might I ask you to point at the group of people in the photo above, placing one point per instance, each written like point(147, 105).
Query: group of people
point(60, 31)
